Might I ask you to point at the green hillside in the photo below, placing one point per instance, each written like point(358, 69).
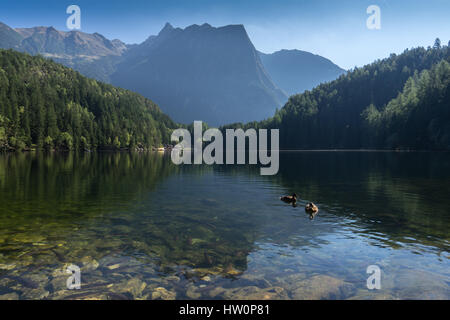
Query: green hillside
point(47, 105)
point(399, 102)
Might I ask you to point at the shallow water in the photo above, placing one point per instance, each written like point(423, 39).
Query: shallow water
point(140, 227)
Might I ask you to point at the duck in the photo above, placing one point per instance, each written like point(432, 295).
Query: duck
point(312, 215)
point(311, 208)
point(289, 199)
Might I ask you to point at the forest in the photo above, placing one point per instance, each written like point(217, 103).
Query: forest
point(44, 105)
point(401, 102)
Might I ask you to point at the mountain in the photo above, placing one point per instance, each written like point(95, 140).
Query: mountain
point(201, 73)
point(401, 102)
point(9, 38)
point(45, 104)
point(48, 40)
point(295, 71)
point(91, 54)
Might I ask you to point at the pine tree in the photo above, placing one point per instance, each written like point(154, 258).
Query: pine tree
point(437, 44)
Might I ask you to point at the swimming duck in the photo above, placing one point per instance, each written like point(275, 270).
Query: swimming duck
point(289, 199)
point(311, 208)
point(312, 215)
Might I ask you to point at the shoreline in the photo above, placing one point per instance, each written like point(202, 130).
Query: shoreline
point(157, 150)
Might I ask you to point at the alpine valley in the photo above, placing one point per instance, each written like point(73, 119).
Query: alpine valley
point(198, 73)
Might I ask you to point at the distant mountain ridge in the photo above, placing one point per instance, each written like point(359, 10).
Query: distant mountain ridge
point(196, 73)
point(51, 41)
point(295, 71)
point(48, 40)
point(201, 73)
point(9, 38)
point(91, 54)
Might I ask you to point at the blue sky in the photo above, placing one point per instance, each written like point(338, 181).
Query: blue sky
point(335, 29)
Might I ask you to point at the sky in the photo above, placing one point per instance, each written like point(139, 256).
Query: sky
point(335, 29)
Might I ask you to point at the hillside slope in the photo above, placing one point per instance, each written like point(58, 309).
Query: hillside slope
point(48, 105)
point(398, 102)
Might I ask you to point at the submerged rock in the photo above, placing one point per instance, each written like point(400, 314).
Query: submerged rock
point(28, 238)
point(172, 278)
point(201, 272)
point(58, 284)
point(217, 291)
point(255, 293)
point(114, 266)
point(59, 272)
point(23, 282)
point(163, 294)
point(321, 287)
point(89, 264)
point(134, 286)
point(9, 296)
point(420, 284)
point(206, 278)
point(35, 294)
point(192, 292)
point(87, 296)
point(117, 296)
point(231, 271)
point(7, 266)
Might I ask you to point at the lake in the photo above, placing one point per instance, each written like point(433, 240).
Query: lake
point(140, 227)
